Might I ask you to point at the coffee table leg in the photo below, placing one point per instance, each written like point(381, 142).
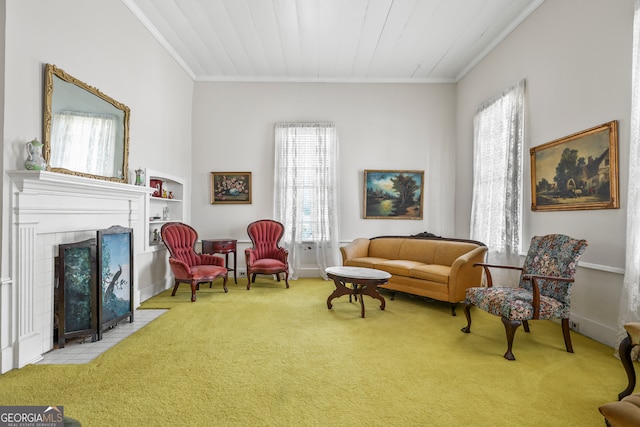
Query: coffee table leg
point(372, 291)
point(341, 289)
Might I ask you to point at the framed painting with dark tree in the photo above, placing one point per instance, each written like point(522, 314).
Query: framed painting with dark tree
point(577, 172)
point(115, 275)
point(393, 194)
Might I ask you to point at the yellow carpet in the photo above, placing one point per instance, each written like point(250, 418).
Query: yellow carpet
point(278, 357)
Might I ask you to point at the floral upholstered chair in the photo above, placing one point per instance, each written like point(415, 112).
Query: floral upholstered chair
point(544, 290)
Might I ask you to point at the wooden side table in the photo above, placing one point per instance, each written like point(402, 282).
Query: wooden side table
point(222, 246)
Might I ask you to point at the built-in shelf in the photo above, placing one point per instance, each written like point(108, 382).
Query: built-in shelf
point(166, 205)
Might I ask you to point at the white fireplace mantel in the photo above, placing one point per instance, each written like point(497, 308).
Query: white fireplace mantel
point(44, 204)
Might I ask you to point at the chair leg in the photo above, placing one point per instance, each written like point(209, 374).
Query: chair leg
point(286, 278)
point(193, 291)
point(525, 325)
point(224, 284)
point(510, 327)
point(248, 280)
point(625, 357)
point(454, 305)
point(467, 313)
point(175, 288)
point(567, 335)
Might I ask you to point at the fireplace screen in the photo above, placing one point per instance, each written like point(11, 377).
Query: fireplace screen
point(115, 275)
point(75, 312)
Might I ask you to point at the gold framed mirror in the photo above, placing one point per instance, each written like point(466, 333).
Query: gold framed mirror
point(86, 133)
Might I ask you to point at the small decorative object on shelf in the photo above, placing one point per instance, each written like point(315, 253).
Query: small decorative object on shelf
point(140, 176)
point(164, 204)
point(34, 161)
point(157, 184)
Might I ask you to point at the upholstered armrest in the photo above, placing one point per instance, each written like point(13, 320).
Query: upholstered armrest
point(633, 329)
point(207, 259)
point(487, 272)
point(536, 288)
point(464, 274)
point(357, 249)
point(179, 268)
point(283, 255)
point(249, 256)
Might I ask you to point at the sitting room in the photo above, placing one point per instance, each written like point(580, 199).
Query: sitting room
point(209, 93)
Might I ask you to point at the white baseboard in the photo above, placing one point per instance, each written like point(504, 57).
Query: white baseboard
point(154, 289)
point(596, 331)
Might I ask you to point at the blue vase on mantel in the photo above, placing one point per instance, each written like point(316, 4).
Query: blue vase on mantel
point(35, 160)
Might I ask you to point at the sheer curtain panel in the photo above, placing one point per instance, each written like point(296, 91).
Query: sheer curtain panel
point(498, 138)
point(306, 192)
point(630, 296)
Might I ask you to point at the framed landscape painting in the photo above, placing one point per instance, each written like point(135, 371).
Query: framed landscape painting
point(115, 276)
point(230, 187)
point(393, 194)
point(577, 172)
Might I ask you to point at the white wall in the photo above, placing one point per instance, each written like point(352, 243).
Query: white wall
point(575, 54)
point(380, 126)
point(576, 57)
point(103, 44)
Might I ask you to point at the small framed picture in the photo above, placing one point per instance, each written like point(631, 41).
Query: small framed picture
point(230, 187)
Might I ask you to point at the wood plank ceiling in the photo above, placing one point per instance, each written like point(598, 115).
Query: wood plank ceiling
point(330, 40)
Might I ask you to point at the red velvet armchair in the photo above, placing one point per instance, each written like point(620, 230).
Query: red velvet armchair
point(187, 265)
point(266, 257)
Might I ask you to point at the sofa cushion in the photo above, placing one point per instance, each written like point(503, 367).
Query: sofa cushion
point(448, 252)
point(432, 272)
point(387, 248)
point(366, 262)
point(418, 250)
point(398, 267)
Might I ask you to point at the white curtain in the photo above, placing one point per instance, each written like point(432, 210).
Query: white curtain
point(71, 133)
point(498, 137)
point(306, 192)
point(630, 297)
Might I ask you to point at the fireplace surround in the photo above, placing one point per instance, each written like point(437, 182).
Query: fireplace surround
point(48, 209)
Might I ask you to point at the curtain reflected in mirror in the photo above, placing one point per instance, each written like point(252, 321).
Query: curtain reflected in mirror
point(86, 132)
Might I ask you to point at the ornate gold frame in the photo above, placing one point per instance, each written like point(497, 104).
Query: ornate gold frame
point(51, 71)
point(577, 172)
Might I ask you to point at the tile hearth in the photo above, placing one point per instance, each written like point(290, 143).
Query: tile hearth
point(79, 352)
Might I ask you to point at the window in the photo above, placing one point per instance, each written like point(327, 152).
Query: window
point(498, 136)
point(306, 202)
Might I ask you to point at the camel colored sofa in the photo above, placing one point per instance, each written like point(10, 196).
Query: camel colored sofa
point(424, 264)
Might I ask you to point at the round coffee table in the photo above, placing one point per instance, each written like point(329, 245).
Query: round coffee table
point(365, 281)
